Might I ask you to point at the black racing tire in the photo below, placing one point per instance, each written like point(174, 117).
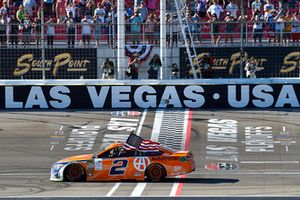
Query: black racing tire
point(155, 172)
point(74, 173)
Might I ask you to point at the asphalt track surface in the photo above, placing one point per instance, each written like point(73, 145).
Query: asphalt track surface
point(258, 156)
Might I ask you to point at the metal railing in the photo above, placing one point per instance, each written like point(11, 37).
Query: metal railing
point(276, 55)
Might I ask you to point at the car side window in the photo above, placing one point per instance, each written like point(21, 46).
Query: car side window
point(125, 153)
point(112, 153)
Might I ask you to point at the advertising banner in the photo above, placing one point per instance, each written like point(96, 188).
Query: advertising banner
point(59, 64)
point(151, 96)
point(272, 62)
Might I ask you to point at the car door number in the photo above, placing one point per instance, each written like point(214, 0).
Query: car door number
point(118, 167)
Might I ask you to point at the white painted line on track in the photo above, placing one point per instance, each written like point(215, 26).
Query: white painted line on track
point(177, 187)
point(269, 162)
point(113, 189)
point(157, 124)
point(283, 128)
point(174, 188)
point(138, 190)
point(138, 132)
point(51, 149)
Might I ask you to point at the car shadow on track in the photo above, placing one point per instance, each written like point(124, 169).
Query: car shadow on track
point(202, 180)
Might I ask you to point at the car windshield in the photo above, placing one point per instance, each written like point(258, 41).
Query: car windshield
point(101, 149)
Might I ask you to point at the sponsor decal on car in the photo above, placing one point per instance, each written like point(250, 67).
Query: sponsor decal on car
point(141, 163)
point(164, 158)
point(98, 164)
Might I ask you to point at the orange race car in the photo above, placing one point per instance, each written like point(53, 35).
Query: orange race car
point(136, 159)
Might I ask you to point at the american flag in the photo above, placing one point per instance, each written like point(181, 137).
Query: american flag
point(136, 142)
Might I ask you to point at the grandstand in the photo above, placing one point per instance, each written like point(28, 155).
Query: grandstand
point(233, 28)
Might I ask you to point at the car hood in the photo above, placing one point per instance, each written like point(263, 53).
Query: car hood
point(77, 158)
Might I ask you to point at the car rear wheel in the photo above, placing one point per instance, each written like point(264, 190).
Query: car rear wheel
point(74, 173)
point(155, 172)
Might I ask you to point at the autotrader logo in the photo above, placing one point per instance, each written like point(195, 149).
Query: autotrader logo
point(141, 163)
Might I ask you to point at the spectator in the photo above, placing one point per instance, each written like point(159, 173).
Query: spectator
point(97, 23)
point(60, 11)
point(229, 27)
point(107, 4)
point(50, 32)
point(215, 9)
point(128, 11)
point(155, 64)
point(279, 28)
point(3, 28)
point(49, 6)
point(244, 23)
point(283, 6)
point(271, 20)
point(174, 71)
point(133, 67)
point(296, 27)
point(175, 29)
point(37, 27)
point(268, 7)
point(135, 29)
point(168, 30)
point(20, 14)
point(196, 27)
point(251, 68)
point(257, 27)
point(4, 10)
point(232, 8)
point(100, 12)
point(16, 3)
point(206, 66)
point(111, 28)
point(287, 27)
point(215, 32)
point(256, 5)
point(14, 30)
point(27, 30)
point(143, 11)
point(149, 28)
point(200, 8)
point(70, 29)
point(29, 6)
point(86, 31)
point(189, 27)
point(82, 7)
point(137, 3)
point(91, 6)
point(108, 71)
point(71, 7)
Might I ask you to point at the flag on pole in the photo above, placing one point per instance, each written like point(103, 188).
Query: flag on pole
point(135, 142)
point(149, 146)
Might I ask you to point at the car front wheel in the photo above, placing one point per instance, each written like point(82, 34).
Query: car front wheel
point(74, 173)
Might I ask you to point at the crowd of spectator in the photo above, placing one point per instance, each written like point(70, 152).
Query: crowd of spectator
point(278, 21)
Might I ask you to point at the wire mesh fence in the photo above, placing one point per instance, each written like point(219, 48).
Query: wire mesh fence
point(82, 53)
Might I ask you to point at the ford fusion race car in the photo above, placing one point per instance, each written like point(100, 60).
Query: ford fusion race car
point(142, 160)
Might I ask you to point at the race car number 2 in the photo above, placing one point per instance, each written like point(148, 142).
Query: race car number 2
point(118, 167)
